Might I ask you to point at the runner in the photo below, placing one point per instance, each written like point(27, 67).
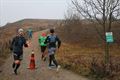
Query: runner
point(41, 40)
point(52, 40)
point(30, 32)
point(17, 48)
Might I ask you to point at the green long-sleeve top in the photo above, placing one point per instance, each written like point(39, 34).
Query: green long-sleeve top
point(42, 41)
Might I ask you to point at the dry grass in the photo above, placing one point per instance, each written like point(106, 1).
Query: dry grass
point(83, 51)
point(4, 50)
point(87, 61)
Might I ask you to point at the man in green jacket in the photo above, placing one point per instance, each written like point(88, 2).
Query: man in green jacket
point(41, 40)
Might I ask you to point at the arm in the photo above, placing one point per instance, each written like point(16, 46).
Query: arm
point(59, 42)
point(47, 40)
point(39, 40)
point(11, 44)
point(25, 43)
point(13, 41)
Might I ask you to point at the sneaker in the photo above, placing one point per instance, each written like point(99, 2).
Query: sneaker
point(15, 72)
point(49, 67)
point(13, 65)
point(44, 59)
point(52, 65)
point(58, 67)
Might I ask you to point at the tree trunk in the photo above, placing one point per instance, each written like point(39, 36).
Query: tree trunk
point(107, 56)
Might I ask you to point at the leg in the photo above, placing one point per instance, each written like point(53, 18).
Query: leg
point(16, 63)
point(50, 60)
point(54, 60)
point(52, 52)
point(13, 65)
point(15, 58)
point(42, 52)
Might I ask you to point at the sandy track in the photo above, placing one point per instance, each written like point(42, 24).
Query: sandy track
point(41, 73)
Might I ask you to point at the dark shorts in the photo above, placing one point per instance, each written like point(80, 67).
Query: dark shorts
point(43, 48)
point(51, 51)
point(18, 57)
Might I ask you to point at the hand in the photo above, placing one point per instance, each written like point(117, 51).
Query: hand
point(11, 48)
point(26, 45)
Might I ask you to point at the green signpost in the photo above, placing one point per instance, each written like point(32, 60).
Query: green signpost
point(109, 37)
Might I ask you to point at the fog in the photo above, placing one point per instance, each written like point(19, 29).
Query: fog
point(14, 10)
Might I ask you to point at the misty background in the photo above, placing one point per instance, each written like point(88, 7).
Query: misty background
point(14, 10)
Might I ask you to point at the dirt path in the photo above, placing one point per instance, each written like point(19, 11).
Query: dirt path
point(41, 73)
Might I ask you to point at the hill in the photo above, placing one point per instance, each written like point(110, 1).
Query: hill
point(85, 34)
point(83, 51)
point(33, 23)
point(9, 30)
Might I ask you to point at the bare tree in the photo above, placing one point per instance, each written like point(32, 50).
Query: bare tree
point(102, 12)
point(71, 17)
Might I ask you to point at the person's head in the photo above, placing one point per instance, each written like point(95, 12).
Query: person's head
point(20, 31)
point(52, 31)
point(43, 34)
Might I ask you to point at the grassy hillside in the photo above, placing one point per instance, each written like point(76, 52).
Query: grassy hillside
point(86, 34)
point(83, 51)
point(9, 30)
point(26, 23)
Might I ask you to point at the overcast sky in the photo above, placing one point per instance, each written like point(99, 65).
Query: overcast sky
point(14, 10)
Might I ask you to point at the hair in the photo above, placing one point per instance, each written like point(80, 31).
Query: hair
point(52, 31)
point(20, 30)
point(43, 34)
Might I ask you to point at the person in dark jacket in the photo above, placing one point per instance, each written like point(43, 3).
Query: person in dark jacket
point(30, 32)
point(17, 48)
point(52, 40)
